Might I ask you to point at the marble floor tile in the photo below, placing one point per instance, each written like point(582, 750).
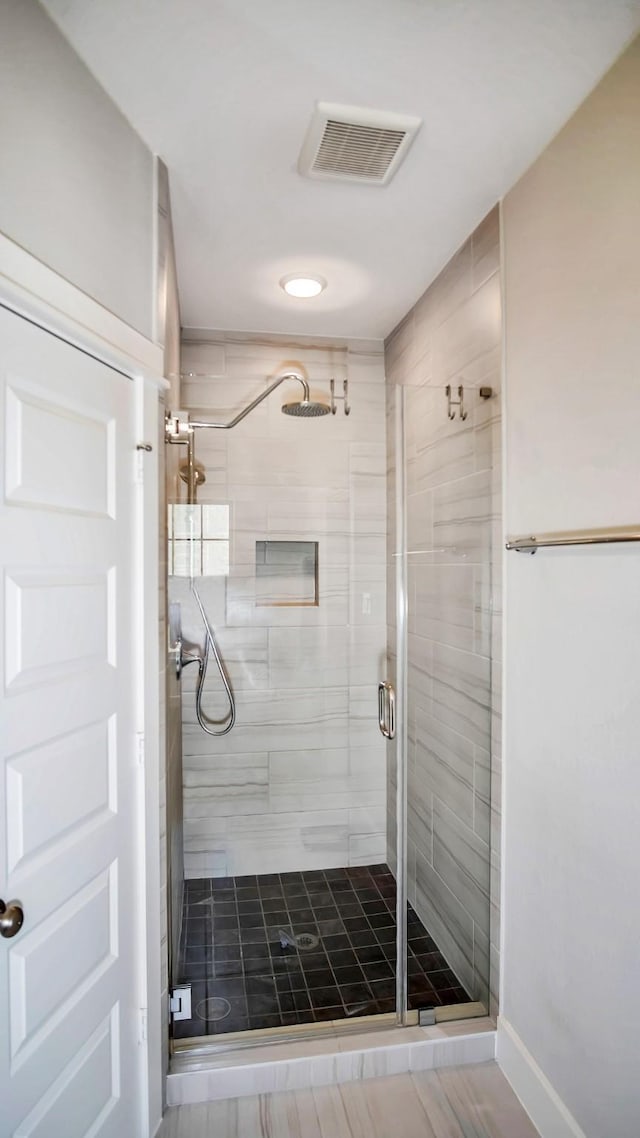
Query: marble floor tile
point(474, 1101)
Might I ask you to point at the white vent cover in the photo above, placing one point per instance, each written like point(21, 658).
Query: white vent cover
point(356, 144)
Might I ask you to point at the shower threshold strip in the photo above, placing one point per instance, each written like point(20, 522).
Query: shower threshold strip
point(199, 1049)
point(295, 950)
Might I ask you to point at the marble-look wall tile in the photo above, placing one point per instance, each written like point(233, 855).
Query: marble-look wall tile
point(299, 783)
point(471, 331)
point(453, 335)
point(268, 720)
point(235, 784)
point(445, 604)
point(308, 657)
point(308, 462)
point(368, 596)
point(363, 719)
point(453, 287)
point(445, 764)
point(485, 249)
point(462, 692)
point(202, 357)
point(246, 658)
point(305, 510)
point(462, 513)
point(316, 779)
point(447, 920)
point(365, 366)
point(462, 861)
point(482, 794)
point(368, 771)
point(420, 813)
point(366, 649)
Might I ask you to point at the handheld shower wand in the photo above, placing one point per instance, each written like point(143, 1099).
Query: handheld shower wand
point(210, 643)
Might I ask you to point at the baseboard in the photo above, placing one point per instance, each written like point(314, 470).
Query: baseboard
point(541, 1102)
point(299, 1066)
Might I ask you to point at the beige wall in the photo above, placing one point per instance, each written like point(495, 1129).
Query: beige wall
point(571, 991)
point(452, 471)
point(76, 188)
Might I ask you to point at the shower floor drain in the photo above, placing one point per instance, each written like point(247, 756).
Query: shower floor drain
point(213, 1009)
point(306, 941)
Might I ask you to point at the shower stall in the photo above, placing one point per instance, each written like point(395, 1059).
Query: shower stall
point(340, 578)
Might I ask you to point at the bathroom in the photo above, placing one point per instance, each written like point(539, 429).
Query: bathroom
point(284, 846)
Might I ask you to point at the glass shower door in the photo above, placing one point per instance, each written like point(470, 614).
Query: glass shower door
point(442, 505)
point(289, 917)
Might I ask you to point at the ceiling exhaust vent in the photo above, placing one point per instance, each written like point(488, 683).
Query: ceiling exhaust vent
point(356, 144)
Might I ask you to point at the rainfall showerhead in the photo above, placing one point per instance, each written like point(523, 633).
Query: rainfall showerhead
point(305, 408)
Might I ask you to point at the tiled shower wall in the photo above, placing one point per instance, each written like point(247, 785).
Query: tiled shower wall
point(299, 783)
point(453, 336)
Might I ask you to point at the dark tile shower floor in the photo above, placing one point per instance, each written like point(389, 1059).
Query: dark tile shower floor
point(290, 948)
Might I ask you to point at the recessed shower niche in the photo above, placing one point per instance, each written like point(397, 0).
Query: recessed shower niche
point(287, 573)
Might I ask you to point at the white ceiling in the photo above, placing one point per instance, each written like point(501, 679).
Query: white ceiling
point(223, 90)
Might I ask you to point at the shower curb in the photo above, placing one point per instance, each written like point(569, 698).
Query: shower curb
point(317, 1063)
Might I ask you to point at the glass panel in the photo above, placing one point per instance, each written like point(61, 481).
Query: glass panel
point(450, 502)
point(289, 917)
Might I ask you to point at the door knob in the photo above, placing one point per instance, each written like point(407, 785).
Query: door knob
point(11, 918)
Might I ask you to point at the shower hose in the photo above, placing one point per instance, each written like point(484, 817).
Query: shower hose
point(211, 646)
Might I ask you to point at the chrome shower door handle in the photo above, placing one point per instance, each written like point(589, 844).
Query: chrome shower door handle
point(381, 708)
point(386, 709)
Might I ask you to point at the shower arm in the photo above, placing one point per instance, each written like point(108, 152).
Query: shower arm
point(250, 407)
point(176, 430)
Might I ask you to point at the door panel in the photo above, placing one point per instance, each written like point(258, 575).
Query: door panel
point(69, 1053)
point(447, 504)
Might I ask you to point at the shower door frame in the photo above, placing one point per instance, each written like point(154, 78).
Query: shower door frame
point(401, 604)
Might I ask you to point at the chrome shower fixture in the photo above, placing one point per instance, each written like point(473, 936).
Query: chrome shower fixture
point(179, 428)
point(305, 408)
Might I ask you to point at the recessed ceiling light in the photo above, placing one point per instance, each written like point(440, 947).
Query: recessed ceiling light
point(299, 286)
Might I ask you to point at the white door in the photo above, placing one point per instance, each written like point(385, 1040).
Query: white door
point(69, 1053)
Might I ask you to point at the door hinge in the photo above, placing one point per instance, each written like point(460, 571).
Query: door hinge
point(180, 1003)
point(143, 1025)
point(140, 748)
